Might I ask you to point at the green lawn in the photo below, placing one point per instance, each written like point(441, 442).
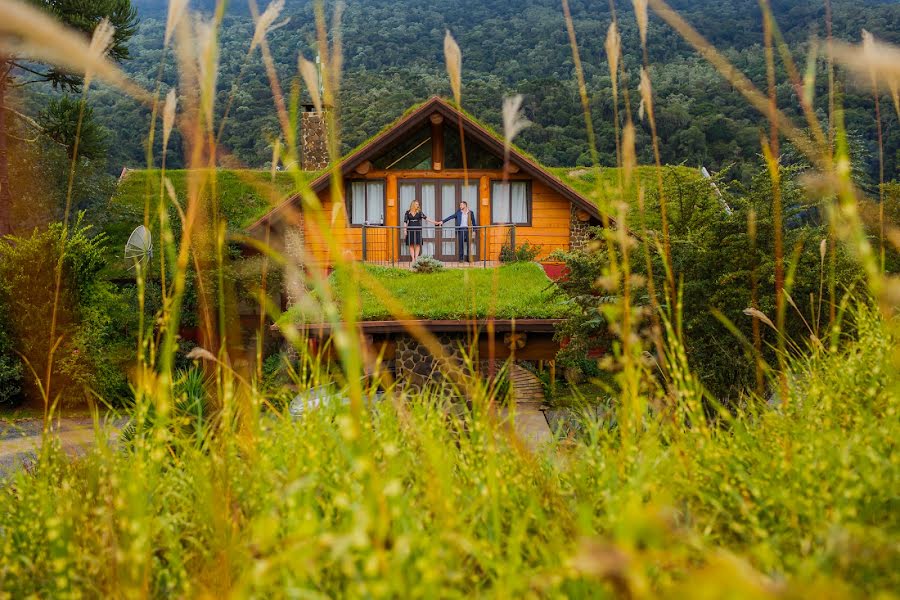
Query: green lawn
point(520, 291)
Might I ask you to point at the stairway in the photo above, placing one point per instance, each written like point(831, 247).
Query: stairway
point(526, 415)
point(527, 388)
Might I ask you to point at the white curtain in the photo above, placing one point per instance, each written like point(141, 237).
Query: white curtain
point(407, 195)
point(448, 207)
point(358, 202)
point(519, 211)
point(428, 207)
point(375, 203)
point(500, 202)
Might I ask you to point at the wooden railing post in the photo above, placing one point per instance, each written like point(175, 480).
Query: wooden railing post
point(364, 248)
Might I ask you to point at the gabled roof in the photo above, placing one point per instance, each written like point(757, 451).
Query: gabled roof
point(473, 130)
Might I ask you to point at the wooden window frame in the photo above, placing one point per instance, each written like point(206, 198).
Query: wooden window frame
point(529, 200)
point(348, 200)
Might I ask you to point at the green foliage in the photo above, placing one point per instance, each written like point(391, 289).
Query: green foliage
point(65, 121)
point(527, 252)
point(714, 258)
point(91, 319)
point(423, 497)
point(39, 181)
point(393, 59)
point(84, 18)
point(427, 264)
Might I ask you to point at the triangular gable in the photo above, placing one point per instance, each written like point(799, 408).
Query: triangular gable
point(472, 129)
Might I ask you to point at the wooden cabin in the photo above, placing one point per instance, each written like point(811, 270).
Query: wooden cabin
point(438, 155)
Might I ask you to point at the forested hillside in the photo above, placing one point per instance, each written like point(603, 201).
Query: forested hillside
point(394, 57)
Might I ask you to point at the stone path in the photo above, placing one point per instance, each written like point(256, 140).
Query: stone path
point(21, 440)
point(527, 416)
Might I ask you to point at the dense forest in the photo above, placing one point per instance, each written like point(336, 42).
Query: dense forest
point(393, 57)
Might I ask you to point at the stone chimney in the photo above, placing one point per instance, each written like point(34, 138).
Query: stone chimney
point(313, 139)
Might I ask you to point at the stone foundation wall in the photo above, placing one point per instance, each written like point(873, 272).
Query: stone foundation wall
point(579, 231)
point(416, 365)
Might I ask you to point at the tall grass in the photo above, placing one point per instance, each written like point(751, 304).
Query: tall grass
point(418, 495)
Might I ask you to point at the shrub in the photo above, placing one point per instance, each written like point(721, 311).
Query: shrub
point(92, 318)
point(427, 264)
point(527, 252)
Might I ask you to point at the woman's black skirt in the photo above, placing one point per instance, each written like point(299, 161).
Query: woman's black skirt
point(414, 236)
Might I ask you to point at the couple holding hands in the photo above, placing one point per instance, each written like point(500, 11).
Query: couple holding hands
point(463, 219)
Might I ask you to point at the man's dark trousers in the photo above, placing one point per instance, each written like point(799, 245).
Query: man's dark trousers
point(462, 243)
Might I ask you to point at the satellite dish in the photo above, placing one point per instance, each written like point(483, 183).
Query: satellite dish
point(139, 246)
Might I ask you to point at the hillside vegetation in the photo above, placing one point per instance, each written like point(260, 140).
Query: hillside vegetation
point(393, 59)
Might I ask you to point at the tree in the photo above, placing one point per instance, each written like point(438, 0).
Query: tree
point(16, 71)
point(60, 122)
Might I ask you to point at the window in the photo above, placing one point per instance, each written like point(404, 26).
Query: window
point(511, 202)
point(365, 203)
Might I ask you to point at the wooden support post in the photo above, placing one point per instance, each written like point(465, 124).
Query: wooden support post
point(390, 219)
point(484, 215)
point(552, 376)
point(437, 142)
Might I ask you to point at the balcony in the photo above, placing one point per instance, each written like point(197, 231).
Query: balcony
point(386, 245)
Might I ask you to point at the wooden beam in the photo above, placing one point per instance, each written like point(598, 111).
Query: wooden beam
point(441, 325)
point(437, 142)
point(364, 167)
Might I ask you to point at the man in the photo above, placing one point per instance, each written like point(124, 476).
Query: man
point(463, 219)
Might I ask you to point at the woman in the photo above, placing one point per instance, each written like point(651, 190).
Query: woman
point(412, 221)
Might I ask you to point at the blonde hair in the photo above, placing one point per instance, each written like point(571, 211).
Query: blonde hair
point(414, 203)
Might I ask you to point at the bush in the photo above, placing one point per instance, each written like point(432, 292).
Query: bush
point(527, 252)
point(92, 319)
point(427, 264)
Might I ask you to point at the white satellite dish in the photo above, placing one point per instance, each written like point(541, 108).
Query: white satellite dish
point(139, 246)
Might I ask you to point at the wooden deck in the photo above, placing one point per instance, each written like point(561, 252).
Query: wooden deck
point(479, 264)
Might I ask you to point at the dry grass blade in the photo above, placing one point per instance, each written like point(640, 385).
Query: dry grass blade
point(646, 90)
point(758, 314)
point(640, 13)
point(101, 41)
point(207, 63)
point(453, 58)
point(310, 75)
point(199, 353)
point(513, 120)
point(871, 58)
point(29, 32)
point(629, 155)
point(169, 115)
point(173, 16)
point(266, 23)
point(613, 46)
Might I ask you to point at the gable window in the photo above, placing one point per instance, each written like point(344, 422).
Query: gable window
point(511, 202)
point(365, 202)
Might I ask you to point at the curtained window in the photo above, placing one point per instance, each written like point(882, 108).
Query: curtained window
point(511, 202)
point(365, 202)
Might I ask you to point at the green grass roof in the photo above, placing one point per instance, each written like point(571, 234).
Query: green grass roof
point(243, 195)
point(514, 291)
point(600, 186)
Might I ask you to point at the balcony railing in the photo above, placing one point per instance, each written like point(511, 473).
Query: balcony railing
point(386, 244)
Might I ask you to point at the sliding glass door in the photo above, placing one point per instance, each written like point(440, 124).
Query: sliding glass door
point(439, 199)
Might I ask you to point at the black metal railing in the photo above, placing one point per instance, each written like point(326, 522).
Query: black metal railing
point(488, 244)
